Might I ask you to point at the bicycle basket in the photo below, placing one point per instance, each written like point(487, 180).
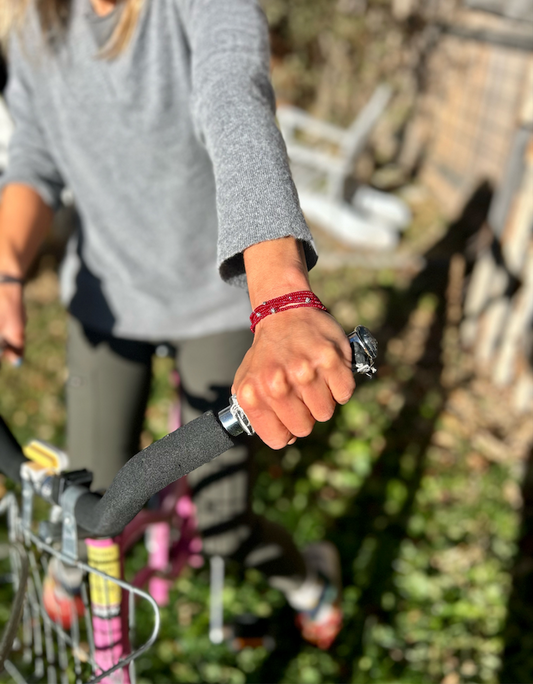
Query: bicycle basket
point(82, 642)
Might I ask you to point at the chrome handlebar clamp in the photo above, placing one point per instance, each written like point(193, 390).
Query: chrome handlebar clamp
point(234, 420)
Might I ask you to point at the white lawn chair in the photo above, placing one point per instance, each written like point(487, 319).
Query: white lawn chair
point(322, 158)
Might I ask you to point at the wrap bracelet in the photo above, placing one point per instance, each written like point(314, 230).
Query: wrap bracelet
point(293, 300)
point(5, 278)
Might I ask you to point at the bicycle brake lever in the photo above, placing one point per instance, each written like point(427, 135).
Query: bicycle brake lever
point(364, 353)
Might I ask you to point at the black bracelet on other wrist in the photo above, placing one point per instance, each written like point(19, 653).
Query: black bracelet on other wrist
point(5, 278)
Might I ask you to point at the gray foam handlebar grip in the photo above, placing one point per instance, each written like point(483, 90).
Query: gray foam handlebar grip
point(147, 473)
point(11, 456)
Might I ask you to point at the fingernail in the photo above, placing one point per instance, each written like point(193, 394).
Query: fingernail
point(17, 363)
point(291, 441)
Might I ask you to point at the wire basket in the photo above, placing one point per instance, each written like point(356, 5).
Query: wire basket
point(97, 640)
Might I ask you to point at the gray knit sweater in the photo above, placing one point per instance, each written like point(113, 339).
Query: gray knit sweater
point(173, 157)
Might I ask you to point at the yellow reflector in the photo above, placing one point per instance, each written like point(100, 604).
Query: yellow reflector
point(43, 454)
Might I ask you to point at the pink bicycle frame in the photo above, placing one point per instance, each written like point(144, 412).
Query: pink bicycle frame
point(109, 610)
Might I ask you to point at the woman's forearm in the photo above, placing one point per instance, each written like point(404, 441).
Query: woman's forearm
point(25, 220)
point(274, 268)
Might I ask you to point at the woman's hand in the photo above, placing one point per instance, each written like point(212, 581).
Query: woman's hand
point(24, 222)
point(297, 370)
point(12, 322)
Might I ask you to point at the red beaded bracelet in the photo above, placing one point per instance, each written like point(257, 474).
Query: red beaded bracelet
point(293, 300)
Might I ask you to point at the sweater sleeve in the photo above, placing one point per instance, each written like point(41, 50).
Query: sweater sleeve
point(29, 160)
point(233, 109)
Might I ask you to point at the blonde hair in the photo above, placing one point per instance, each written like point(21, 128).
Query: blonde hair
point(54, 14)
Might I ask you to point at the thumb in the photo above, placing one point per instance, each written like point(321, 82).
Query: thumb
point(13, 356)
point(12, 342)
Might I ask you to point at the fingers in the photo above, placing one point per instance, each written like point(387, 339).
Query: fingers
point(287, 408)
point(294, 375)
point(12, 341)
point(10, 353)
point(319, 401)
point(341, 386)
point(12, 320)
point(264, 419)
point(336, 382)
point(279, 422)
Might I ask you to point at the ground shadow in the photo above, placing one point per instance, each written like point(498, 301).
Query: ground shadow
point(368, 524)
point(517, 662)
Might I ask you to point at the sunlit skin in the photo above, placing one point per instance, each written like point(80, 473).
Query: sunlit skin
point(24, 222)
point(299, 365)
point(103, 7)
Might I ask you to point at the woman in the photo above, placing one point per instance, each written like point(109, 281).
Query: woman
point(159, 117)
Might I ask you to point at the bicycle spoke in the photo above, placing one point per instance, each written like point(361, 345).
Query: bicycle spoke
point(48, 635)
point(36, 618)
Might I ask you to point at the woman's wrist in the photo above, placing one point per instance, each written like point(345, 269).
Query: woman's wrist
point(275, 268)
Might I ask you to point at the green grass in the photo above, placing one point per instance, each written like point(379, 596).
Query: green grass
point(425, 525)
point(426, 521)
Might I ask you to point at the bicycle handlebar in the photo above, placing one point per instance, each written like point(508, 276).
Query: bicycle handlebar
point(166, 460)
point(147, 473)
point(150, 471)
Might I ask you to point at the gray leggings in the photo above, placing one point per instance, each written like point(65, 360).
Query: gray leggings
point(107, 391)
